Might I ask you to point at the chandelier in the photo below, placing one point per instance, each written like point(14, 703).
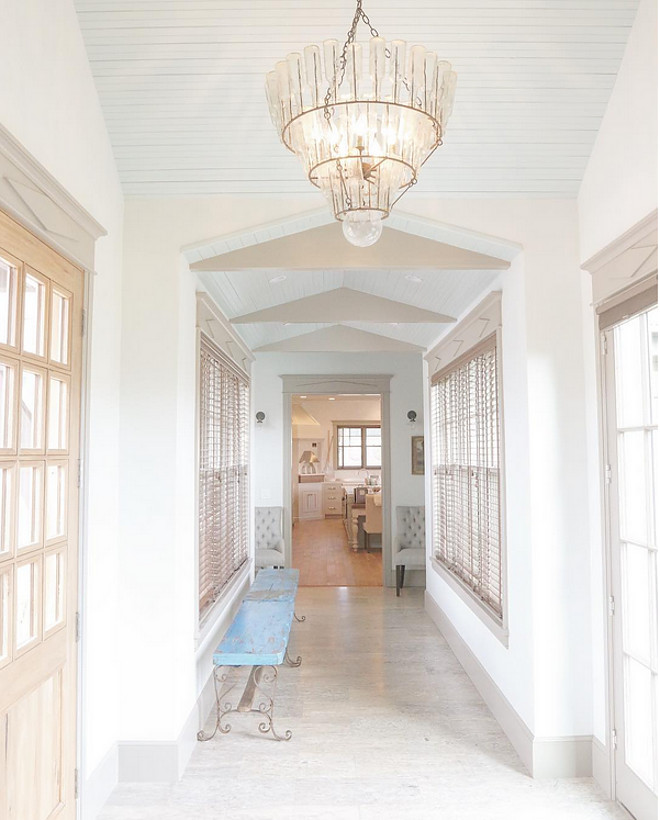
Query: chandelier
point(362, 124)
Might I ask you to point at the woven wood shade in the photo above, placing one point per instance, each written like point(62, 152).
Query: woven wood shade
point(465, 407)
point(223, 473)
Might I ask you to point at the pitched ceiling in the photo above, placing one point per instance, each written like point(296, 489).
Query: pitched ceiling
point(181, 84)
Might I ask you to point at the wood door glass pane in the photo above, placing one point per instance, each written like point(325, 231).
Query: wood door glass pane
point(59, 328)
point(56, 501)
point(32, 401)
point(34, 315)
point(58, 413)
point(6, 502)
point(7, 404)
point(53, 589)
point(30, 481)
point(26, 590)
point(8, 278)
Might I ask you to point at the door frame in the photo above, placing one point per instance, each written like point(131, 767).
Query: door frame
point(77, 244)
point(609, 494)
point(324, 384)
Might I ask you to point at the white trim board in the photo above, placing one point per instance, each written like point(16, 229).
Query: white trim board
point(543, 757)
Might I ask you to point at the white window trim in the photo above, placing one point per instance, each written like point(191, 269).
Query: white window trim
point(481, 322)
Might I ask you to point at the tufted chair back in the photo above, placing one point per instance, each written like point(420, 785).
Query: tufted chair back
point(410, 528)
point(268, 528)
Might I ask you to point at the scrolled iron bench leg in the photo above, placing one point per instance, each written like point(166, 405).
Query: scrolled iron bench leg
point(219, 677)
point(300, 619)
point(290, 661)
point(268, 708)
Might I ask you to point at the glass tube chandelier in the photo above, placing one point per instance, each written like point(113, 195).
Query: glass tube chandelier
point(362, 124)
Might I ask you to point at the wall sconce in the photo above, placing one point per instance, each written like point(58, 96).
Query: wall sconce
point(412, 416)
point(261, 417)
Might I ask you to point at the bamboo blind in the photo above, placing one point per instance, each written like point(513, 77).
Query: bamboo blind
point(223, 473)
point(465, 408)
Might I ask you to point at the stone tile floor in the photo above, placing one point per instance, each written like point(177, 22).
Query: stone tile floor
point(386, 726)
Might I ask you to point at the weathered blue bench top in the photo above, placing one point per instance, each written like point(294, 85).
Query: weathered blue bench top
point(274, 585)
point(258, 635)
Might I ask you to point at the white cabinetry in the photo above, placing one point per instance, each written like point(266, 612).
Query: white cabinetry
point(333, 494)
point(310, 501)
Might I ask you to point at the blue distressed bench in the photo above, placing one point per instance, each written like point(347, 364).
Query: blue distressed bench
point(258, 637)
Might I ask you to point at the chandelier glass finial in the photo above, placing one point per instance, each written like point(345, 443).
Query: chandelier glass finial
point(361, 121)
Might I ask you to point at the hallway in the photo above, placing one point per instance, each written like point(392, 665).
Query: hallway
point(385, 725)
point(322, 554)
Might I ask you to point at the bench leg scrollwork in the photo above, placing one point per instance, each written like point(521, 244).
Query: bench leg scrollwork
point(254, 690)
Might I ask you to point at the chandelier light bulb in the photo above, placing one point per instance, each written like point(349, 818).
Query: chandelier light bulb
point(361, 228)
point(361, 120)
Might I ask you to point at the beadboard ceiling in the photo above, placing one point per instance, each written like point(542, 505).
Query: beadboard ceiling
point(242, 291)
point(181, 83)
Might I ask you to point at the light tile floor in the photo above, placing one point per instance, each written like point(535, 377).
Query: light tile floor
point(386, 726)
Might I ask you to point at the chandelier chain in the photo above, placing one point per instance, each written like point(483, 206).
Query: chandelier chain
point(340, 70)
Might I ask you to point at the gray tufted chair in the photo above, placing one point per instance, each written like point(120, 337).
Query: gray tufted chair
point(409, 545)
point(268, 537)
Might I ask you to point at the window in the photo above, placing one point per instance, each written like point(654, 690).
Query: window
point(358, 447)
point(223, 473)
point(465, 407)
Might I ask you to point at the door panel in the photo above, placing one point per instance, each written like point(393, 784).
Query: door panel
point(40, 370)
point(631, 399)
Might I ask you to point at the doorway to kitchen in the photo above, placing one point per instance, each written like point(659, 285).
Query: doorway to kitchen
point(336, 501)
point(337, 479)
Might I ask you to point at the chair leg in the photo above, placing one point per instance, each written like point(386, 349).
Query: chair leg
point(366, 540)
point(398, 580)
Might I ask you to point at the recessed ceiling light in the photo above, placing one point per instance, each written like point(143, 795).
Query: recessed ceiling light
point(394, 324)
point(412, 277)
point(331, 398)
point(277, 279)
point(286, 324)
point(303, 397)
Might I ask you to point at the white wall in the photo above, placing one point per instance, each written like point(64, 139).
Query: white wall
point(620, 184)
point(618, 190)
point(546, 672)
point(48, 102)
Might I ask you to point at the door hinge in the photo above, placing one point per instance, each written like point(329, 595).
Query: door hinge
point(603, 344)
point(613, 736)
point(77, 627)
point(83, 322)
point(608, 473)
point(76, 787)
point(610, 605)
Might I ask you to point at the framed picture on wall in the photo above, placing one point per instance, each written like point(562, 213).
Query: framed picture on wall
point(418, 455)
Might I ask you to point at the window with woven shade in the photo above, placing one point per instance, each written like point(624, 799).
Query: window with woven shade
point(223, 472)
point(467, 474)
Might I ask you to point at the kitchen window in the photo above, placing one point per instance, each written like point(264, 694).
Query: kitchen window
point(358, 447)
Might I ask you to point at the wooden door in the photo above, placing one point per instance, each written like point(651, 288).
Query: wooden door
point(631, 388)
point(40, 374)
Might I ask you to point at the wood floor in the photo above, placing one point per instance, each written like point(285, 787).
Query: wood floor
point(386, 726)
point(322, 554)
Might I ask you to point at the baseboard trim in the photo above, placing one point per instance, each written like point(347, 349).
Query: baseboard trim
point(98, 787)
point(543, 757)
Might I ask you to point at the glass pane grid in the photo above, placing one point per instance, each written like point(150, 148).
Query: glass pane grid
point(9, 275)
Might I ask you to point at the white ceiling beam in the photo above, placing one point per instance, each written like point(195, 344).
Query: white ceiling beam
point(339, 339)
point(343, 305)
